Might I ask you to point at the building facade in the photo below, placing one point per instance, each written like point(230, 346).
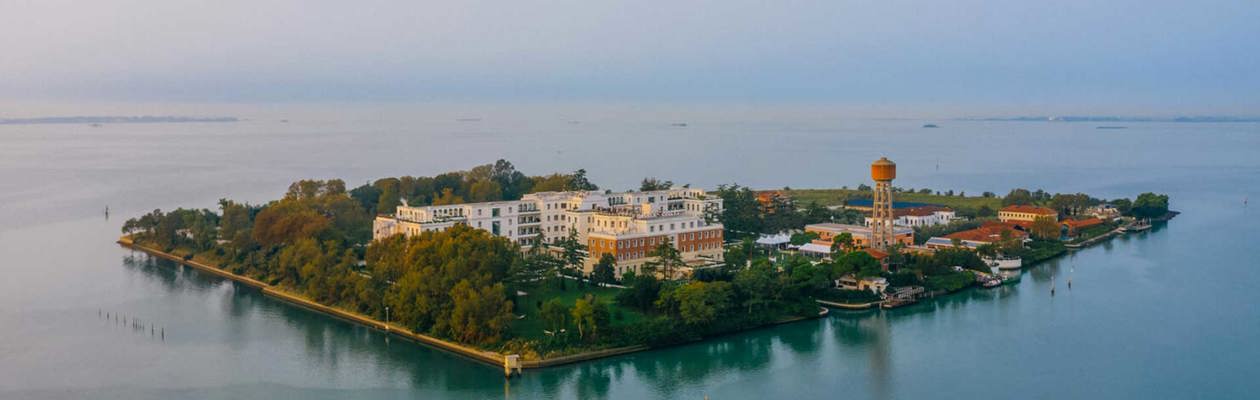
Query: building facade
point(625, 225)
point(861, 234)
point(1018, 213)
point(920, 216)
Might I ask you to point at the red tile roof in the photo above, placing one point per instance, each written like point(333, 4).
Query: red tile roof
point(988, 233)
point(1074, 224)
point(879, 255)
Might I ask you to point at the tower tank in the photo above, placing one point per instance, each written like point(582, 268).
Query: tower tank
point(883, 169)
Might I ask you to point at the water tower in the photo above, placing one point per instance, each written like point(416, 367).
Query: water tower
point(883, 171)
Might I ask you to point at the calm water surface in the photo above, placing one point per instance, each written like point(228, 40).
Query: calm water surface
point(1172, 313)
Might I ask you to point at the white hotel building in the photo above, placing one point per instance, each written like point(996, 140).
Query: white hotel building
point(627, 225)
point(915, 217)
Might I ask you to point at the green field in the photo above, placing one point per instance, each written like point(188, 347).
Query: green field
point(835, 197)
point(531, 327)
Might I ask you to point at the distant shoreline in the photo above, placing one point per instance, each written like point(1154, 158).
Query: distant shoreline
point(1112, 118)
point(144, 119)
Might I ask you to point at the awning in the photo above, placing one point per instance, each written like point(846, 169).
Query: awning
point(774, 240)
point(815, 248)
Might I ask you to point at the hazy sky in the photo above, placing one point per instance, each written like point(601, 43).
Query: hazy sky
point(1147, 56)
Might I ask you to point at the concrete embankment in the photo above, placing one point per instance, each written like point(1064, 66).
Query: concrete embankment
point(846, 306)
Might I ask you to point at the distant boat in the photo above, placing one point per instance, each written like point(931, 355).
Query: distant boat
point(284, 121)
point(930, 126)
point(679, 124)
point(1112, 127)
point(469, 119)
point(96, 125)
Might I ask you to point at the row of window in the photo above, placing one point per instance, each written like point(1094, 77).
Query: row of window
point(684, 248)
point(661, 227)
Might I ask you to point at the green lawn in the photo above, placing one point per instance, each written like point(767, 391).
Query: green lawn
point(835, 197)
point(531, 327)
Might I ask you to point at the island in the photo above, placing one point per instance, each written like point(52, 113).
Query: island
point(98, 120)
point(527, 271)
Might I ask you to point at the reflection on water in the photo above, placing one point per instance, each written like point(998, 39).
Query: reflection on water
point(1137, 300)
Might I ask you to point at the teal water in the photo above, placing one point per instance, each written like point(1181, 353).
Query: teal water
point(1170, 313)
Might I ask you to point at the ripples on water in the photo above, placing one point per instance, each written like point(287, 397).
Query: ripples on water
point(1169, 313)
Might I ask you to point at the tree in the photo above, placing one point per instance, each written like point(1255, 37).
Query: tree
point(447, 197)
point(573, 252)
point(798, 239)
point(286, 221)
point(479, 316)
point(856, 262)
point(485, 190)
point(643, 291)
point(1150, 205)
point(985, 211)
point(512, 182)
point(807, 278)
point(1124, 206)
point(757, 286)
point(650, 184)
point(701, 303)
point(583, 314)
point(1018, 197)
point(605, 271)
point(668, 259)
point(389, 198)
point(555, 315)
point(741, 213)
point(236, 224)
point(842, 243)
point(367, 195)
point(578, 181)
point(1045, 228)
point(989, 250)
point(737, 256)
point(816, 213)
point(960, 257)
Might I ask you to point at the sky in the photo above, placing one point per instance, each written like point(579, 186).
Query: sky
point(967, 57)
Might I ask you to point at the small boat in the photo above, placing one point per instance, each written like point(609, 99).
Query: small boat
point(1011, 279)
point(1138, 226)
point(1112, 127)
point(930, 126)
point(991, 283)
point(679, 124)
